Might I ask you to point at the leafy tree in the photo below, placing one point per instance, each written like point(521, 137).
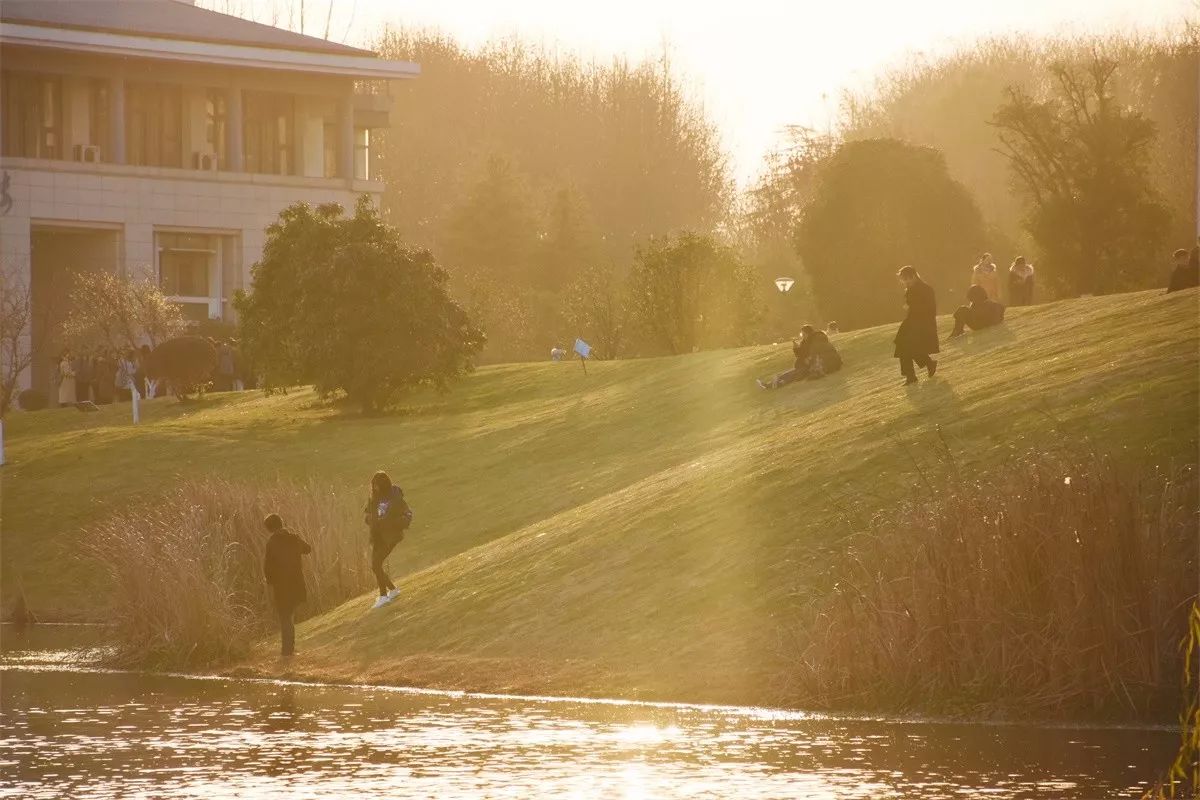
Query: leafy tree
point(120, 312)
point(569, 243)
point(881, 204)
point(595, 310)
point(689, 292)
point(493, 233)
point(765, 226)
point(343, 304)
point(947, 103)
point(1082, 160)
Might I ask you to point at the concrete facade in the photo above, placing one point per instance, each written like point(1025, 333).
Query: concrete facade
point(130, 146)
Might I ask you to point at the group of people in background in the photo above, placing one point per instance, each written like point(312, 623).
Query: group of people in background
point(917, 339)
point(104, 375)
point(100, 375)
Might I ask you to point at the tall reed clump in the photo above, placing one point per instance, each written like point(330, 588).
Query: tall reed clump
point(1183, 778)
point(1061, 589)
point(186, 570)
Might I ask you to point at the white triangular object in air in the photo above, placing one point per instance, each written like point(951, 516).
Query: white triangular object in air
point(784, 284)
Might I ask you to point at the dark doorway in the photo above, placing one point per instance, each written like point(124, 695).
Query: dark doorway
point(57, 255)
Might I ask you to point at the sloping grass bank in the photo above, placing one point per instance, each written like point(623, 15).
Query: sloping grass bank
point(650, 529)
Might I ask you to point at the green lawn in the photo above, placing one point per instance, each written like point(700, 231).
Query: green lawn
point(640, 530)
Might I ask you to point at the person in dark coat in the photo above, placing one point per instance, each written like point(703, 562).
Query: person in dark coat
point(815, 355)
point(1187, 270)
point(917, 338)
point(281, 566)
point(388, 515)
point(981, 312)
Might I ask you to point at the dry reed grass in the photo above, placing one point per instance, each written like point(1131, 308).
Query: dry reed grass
point(1063, 589)
point(186, 571)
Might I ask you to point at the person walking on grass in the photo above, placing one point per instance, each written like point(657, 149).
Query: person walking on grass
point(917, 338)
point(388, 516)
point(281, 566)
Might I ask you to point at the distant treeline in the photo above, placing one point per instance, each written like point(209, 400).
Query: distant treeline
point(539, 181)
point(522, 170)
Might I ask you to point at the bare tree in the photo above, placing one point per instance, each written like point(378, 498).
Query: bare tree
point(120, 312)
point(23, 329)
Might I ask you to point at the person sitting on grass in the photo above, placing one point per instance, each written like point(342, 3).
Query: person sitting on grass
point(388, 516)
point(981, 312)
point(281, 566)
point(815, 355)
point(1187, 270)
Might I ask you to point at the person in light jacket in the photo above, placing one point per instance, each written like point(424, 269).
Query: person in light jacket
point(66, 379)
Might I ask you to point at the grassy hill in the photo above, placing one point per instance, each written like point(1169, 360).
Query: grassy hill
point(641, 530)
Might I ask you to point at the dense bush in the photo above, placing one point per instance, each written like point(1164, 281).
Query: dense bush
point(690, 292)
point(1063, 589)
point(32, 400)
point(186, 363)
point(186, 570)
point(343, 304)
point(881, 204)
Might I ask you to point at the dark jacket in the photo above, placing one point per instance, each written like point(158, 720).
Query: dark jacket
point(1185, 276)
point(987, 313)
point(390, 516)
point(824, 357)
point(281, 566)
point(918, 335)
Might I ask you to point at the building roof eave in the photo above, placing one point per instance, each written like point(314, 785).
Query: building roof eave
point(115, 44)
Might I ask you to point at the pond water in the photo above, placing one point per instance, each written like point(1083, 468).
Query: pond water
point(67, 731)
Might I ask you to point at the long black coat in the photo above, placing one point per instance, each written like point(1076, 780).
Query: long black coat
point(918, 334)
point(281, 565)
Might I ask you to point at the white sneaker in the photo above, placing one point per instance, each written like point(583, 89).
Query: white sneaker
point(393, 594)
point(382, 601)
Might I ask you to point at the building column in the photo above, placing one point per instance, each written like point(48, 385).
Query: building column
point(116, 120)
point(346, 139)
point(235, 131)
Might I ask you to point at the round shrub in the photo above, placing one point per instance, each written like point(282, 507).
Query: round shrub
point(186, 363)
point(32, 400)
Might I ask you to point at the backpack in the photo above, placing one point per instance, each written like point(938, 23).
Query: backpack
point(395, 512)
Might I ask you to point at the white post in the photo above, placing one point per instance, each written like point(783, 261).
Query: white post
point(137, 410)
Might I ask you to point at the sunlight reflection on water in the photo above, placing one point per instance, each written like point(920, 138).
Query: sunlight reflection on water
point(100, 735)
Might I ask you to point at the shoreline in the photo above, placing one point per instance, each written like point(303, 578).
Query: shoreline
point(748, 711)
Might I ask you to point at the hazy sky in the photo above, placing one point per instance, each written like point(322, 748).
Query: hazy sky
point(757, 65)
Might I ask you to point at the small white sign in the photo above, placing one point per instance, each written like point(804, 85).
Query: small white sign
point(583, 348)
point(784, 284)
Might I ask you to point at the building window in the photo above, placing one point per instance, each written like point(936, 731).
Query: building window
point(32, 125)
point(99, 117)
point(189, 272)
point(330, 142)
point(154, 125)
point(362, 154)
point(269, 134)
point(215, 116)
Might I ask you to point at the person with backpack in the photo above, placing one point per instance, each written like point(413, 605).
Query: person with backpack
point(281, 567)
point(388, 516)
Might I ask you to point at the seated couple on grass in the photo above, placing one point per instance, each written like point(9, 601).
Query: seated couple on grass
point(816, 357)
point(979, 313)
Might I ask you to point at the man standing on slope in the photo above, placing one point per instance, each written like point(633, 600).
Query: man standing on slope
point(388, 516)
point(918, 336)
point(281, 566)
